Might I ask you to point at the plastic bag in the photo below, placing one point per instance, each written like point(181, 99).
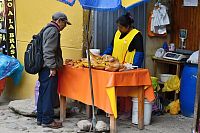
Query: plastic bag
point(155, 84)
point(10, 67)
point(172, 84)
point(173, 107)
point(193, 58)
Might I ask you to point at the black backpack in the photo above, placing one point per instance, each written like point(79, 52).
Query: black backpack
point(33, 57)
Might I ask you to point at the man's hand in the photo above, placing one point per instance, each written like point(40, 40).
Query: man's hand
point(52, 72)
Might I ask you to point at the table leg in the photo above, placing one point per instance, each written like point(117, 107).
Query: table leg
point(62, 108)
point(141, 107)
point(89, 111)
point(113, 127)
point(178, 69)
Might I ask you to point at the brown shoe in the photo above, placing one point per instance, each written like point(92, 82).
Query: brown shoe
point(54, 125)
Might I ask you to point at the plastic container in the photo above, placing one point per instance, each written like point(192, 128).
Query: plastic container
point(147, 111)
point(188, 89)
point(165, 46)
point(165, 77)
point(171, 47)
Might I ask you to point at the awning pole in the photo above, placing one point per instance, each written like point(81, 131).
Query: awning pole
point(195, 126)
point(90, 72)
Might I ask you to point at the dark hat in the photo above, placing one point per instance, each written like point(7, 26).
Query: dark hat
point(62, 16)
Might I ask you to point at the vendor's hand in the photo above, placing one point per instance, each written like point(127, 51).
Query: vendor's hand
point(52, 72)
point(108, 58)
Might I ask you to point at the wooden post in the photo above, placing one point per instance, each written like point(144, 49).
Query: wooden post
point(197, 100)
point(178, 69)
point(113, 125)
point(141, 107)
point(113, 121)
point(62, 108)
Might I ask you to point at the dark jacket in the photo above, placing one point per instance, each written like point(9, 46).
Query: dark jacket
point(52, 53)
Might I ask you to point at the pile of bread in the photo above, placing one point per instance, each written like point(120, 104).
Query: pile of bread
point(106, 62)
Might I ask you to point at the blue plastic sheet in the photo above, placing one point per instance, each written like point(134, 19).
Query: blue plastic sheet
point(10, 67)
point(100, 4)
point(105, 4)
point(69, 2)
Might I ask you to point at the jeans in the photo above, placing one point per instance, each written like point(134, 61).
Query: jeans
point(47, 95)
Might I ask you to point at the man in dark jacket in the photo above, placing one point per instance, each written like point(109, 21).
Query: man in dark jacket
point(48, 76)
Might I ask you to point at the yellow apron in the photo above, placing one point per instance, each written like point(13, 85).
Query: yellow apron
point(120, 48)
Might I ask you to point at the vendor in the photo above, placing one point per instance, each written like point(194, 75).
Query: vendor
point(127, 44)
point(127, 47)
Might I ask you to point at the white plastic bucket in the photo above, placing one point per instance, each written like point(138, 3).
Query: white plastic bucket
point(165, 77)
point(94, 51)
point(147, 111)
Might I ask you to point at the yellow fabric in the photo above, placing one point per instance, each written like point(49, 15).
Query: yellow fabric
point(126, 3)
point(172, 84)
point(112, 97)
point(120, 49)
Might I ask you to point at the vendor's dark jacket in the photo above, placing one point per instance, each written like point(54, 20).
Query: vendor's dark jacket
point(52, 53)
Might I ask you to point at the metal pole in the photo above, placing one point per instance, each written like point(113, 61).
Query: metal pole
point(195, 125)
point(90, 72)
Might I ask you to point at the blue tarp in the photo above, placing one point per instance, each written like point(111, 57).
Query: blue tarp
point(69, 2)
point(100, 4)
point(104, 4)
point(10, 67)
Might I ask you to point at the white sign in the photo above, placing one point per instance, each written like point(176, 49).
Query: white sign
point(190, 3)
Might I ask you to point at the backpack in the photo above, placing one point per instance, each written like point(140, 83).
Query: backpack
point(33, 57)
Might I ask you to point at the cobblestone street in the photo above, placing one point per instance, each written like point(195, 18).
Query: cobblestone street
point(11, 122)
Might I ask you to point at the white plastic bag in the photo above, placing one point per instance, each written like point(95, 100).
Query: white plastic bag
point(193, 58)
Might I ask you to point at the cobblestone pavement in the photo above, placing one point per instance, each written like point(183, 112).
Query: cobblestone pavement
point(14, 123)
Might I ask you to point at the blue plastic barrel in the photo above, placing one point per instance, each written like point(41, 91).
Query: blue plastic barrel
point(188, 89)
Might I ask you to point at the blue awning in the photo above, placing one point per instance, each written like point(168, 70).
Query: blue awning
point(106, 4)
point(100, 4)
point(69, 2)
point(128, 4)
